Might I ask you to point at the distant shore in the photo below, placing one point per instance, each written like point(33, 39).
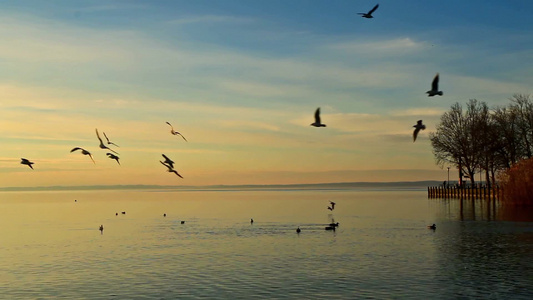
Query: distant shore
point(315, 186)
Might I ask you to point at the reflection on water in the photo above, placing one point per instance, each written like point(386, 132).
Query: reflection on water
point(483, 210)
point(51, 246)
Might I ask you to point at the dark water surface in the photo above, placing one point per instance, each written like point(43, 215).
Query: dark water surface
point(51, 247)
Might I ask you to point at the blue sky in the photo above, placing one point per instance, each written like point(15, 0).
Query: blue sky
point(241, 80)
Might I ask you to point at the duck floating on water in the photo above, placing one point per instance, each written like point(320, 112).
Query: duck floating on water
point(432, 226)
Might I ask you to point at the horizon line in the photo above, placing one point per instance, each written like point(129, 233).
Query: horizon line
point(224, 186)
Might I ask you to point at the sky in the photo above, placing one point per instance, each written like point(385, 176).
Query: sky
point(241, 81)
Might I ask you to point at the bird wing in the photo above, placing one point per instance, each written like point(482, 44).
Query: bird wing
point(435, 83)
point(177, 173)
point(170, 125)
point(415, 134)
point(373, 9)
point(317, 115)
point(98, 135)
point(74, 149)
point(164, 164)
point(91, 158)
point(183, 136)
point(106, 138)
point(167, 159)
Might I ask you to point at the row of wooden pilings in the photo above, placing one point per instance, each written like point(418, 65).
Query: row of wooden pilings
point(471, 192)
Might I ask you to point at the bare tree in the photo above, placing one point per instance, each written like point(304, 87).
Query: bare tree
point(461, 138)
point(523, 108)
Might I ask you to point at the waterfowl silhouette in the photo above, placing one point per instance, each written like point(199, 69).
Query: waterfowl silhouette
point(317, 119)
point(164, 215)
point(113, 156)
point(434, 87)
point(419, 126)
point(109, 142)
point(368, 15)
point(182, 222)
point(251, 221)
point(330, 228)
point(168, 161)
point(101, 228)
point(84, 152)
point(298, 230)
point(102, 146)
point(332, 204)
point(175, 132)
point(170, 169)
point(432, 226)
point(24, 161)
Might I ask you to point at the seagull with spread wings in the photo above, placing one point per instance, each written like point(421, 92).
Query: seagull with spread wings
point(113, 156)
point(317, 119)
point(84, 152)
point(419, 126)
point(434, 87)
point(102, 146)
point(108, 141)
point(174, 132)
point(368, 15)
point(24, 161)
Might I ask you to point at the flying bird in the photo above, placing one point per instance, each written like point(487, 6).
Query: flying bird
point(113, 156)
point(102, 146)
point(434, 87)
point(108, 141)
point(26, 162)
point(168, 161)
point(332, 204)
point(84, 152)
point(317, 119)
point(171, 169)
point(368, 15)
point(418, 127)
point(175, 132)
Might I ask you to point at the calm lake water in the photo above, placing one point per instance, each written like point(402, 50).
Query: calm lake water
point(51, 248)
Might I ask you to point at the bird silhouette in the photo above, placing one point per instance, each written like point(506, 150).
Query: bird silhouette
point(330, 208)
point(298, 230)
point(332, 204)
point(168, 161)
point(84, 152)
point(317, 119)
point(432, 226)
point(102, 146)
point(171, 169)
point(368, 15)
point(108, 141)
point(435, 87)
point(26, 162)
point(175, 132)
point(113, 156)
point(419, 126)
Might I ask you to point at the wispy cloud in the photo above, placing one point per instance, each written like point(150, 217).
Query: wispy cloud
point(208, 19)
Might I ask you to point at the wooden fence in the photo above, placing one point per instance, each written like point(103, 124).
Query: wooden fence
point(475, 192)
